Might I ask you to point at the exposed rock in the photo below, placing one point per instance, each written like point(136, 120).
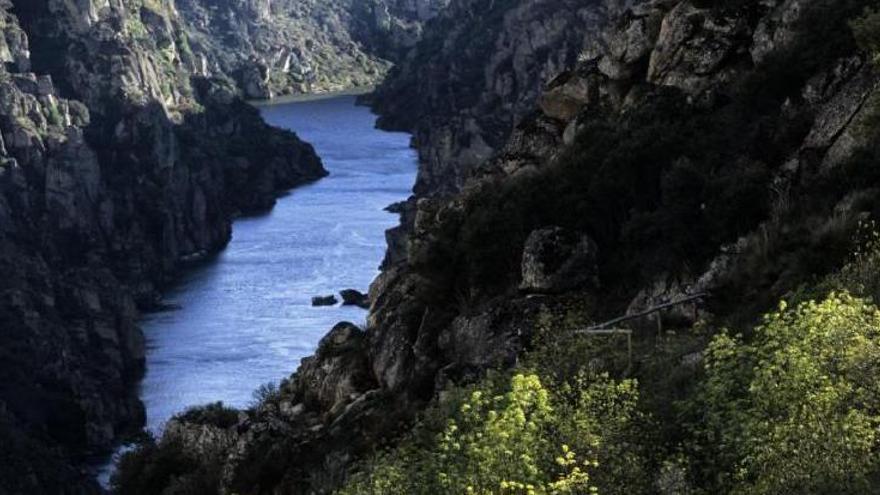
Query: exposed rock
point(495, 57)
point(567, 95)
point(325, 300)
point(338, 371)
point(557, 260)
point(351, 297)
point(697, 48)
point(663, 291)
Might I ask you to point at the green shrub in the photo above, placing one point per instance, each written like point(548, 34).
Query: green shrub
point(166, 469)
point(797, 409)
point(215, 414)
point(861, 275)
point(511, 436)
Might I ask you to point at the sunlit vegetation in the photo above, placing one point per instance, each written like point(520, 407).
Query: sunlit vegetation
point(510, 435)
point(791, 406)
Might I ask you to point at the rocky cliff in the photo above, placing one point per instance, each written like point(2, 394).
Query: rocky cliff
point(608, 156)
point(272, 48)
point(477, 72)
point(119, 165)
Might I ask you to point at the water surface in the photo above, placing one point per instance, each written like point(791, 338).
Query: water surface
point(246, 318)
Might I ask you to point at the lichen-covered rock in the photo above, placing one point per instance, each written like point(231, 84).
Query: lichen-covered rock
point(557, 260)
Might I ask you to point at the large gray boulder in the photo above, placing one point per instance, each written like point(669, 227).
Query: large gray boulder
point(557, 260)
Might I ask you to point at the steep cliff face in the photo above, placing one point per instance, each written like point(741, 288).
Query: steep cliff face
point(477, 72)
point(663, 161)
point(116, 170)
point(273, 48)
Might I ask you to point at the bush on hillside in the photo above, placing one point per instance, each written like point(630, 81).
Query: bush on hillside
point(796, 410)
point(510, 436)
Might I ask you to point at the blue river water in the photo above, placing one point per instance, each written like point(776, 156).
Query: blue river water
point(246, 318)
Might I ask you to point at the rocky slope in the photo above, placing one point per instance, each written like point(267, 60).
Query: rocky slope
point(118, 167)
point(477, 72)
point(665, 160)
point(279, 47)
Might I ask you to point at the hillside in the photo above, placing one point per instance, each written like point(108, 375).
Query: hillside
point(582, 161)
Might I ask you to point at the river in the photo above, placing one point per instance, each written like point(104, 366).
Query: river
point(245, 318)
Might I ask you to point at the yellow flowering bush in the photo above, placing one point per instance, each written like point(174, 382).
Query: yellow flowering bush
point(797, 409)
point(508, 439)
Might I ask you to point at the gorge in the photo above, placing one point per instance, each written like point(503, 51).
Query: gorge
point(579, 162)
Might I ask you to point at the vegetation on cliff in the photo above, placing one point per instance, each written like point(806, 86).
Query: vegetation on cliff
point(790, 406)
point(717, 150)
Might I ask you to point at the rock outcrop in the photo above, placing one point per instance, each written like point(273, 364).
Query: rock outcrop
point(324, 300)
point(476, 73)
point(351, 297)
point(117, 167)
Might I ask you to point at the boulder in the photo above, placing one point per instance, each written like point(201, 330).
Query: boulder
point(557, 260)
point(338, 371)
point(324, 301)
point(351, 297)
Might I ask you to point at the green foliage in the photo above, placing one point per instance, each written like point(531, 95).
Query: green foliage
point(861, 275)
point(797, 409)
point(511, 436)
point(54, 116)
point(166, 469)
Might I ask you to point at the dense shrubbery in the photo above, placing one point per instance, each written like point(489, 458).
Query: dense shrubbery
point(795, 410)
point(154, 469)
point(792, 407)
point(511, 435)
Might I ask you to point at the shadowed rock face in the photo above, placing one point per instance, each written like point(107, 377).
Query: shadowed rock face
point(556, 260)
point(115, 168)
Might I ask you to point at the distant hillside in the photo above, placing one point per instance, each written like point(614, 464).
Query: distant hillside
point(279, 47)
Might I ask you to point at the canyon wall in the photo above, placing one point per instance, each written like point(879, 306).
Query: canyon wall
point(119, 166)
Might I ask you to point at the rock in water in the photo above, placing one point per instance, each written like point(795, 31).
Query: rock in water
point(324, 301)
point(556, 260)
point(351, 297)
